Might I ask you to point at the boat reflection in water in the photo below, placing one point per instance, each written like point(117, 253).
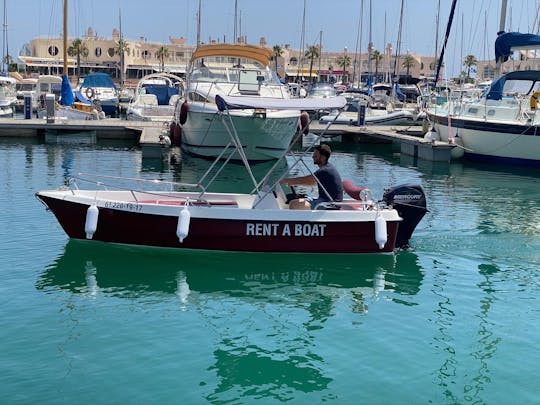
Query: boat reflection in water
point(264, 310)
point(96, 268)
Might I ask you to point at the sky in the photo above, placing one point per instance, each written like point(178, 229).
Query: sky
point(476, 23)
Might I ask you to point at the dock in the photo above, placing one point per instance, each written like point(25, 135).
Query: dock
point(146, 133)
point(409, 138)
point(149, 135)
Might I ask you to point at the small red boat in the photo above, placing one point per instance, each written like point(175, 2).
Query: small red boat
point(260, 221)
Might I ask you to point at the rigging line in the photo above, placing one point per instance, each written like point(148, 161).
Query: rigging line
point(474, 26)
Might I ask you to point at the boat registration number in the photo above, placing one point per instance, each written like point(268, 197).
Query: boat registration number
point(271, 229)
point(126, 206)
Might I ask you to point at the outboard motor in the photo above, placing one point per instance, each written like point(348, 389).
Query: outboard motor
point(409, 200)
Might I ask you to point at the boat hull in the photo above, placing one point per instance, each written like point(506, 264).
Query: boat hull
point(503, 142)
point(374, 119)
point(257, 231)
point(263, 137)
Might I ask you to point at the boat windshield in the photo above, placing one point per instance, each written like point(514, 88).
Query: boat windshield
point(322, 90)
point(230, 73)
point(521, 86)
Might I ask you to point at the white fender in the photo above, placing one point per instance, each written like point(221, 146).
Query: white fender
point(182, 229)
point(458, 151)
point(380, 231)
point(90, 225)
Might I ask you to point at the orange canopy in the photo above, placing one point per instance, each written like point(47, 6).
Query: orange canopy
point(258, 53)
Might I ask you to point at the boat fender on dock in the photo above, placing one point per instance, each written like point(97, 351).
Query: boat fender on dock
point(184, 108)
point(303, 124)
point(381, 236)
point(182, 229)
point(175, 133)
point(90, 225)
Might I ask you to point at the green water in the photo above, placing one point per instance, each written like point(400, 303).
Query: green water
point(454, 321)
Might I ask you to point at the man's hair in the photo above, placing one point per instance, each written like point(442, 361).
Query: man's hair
point(324, 150)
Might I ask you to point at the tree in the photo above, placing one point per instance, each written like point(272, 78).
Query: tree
point(121, 49)
point(78, 48)
point(278, 52)
point(311, 53)
point(469, 62)
point(162, 53)
point(9, 62)
point(377, 57)
point(408, 63)
point(344, 61)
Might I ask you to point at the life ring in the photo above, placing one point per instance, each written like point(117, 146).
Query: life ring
point(184, 108)
point(534, 100)
point(89, 93)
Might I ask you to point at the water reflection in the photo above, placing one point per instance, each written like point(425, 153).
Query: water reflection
point(264, 310)
point(116, 269)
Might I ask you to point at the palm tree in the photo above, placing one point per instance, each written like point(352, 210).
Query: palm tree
point(162, 53)
point(121, 49)
point(311, 53)
point(278, 52)
point(344, 61)
point(7, 61)
point(377, 57)
point(78, 48)
point(469, 62)
point(408, 63)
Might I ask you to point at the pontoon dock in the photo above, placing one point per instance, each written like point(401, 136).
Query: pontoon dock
point(147, 134)
point(412, 145)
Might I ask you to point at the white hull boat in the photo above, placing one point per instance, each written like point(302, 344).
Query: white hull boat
point(155, 98)
point(372, 117)
point(239, 71)
point(499, 127)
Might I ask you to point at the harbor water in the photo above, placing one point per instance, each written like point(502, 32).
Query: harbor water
point(455, 320)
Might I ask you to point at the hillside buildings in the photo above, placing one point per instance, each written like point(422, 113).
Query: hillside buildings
point(45, 56)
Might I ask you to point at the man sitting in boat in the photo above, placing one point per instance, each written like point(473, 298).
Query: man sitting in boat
point(326, 177)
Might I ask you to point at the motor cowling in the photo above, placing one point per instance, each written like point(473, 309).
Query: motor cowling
point(409, 200)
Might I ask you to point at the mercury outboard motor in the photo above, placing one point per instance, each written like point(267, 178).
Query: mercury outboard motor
point(409, 200)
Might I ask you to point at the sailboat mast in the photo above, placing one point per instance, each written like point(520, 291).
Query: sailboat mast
point(356, 63)
point(121, 49)
point(302, 38)
point(199, 25)
point(320, 52)
point(447, 34)
point(235, 34)
point(65, 39)
point(370, 43)
point(502, 23)
point(398, 45)
point(437, 31)
point(5, 49)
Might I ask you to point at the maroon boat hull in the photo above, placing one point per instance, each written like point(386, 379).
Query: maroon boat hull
point(131, 228)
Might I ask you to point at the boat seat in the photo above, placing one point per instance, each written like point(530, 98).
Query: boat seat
point(174, 98)
point(148, 99)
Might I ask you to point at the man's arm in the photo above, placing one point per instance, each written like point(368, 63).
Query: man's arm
point(308, 180)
